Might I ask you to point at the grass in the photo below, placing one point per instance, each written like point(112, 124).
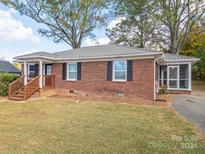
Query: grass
point(198, 85)
point(63, 126)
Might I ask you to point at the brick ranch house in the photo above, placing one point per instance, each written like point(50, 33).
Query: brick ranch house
point(111, 68)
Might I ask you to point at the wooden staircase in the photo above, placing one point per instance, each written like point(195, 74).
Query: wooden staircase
point(20, 92)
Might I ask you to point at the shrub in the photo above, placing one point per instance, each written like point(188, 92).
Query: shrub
point(163, 89)
point(5, 80)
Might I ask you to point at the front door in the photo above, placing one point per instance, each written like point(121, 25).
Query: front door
point(173, 76)
point(48, 73)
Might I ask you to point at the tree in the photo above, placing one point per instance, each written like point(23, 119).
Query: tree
point(195, 46)
point(166, 23)
point(176, 19)
point(136, 26)
point(68, 21)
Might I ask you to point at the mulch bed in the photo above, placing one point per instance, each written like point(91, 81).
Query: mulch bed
point(79, 96)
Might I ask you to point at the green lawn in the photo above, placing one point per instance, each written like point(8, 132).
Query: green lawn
point(62, 126)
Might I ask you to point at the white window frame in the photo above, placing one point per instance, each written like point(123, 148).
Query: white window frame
point(68, 71)
point(113, 72)
point(29, 69)
point(170, 79)
point(47, 70)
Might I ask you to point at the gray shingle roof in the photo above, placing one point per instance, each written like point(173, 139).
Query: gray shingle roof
point(169, 57)
point(7, 67)
point(101, 51)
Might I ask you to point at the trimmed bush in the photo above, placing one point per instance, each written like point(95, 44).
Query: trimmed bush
point(163, 90)
point(5, 80)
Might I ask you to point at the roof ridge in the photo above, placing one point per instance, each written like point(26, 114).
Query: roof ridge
point(82, 47)
point(117, 45)
point(131, 47)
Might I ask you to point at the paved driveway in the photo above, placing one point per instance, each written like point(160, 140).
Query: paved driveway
point(192, 107)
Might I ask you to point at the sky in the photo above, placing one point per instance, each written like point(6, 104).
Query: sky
point(18, 35)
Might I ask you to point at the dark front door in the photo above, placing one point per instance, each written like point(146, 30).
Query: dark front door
point(48, 73)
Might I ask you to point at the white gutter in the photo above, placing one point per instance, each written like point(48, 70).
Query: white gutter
point(183, 60)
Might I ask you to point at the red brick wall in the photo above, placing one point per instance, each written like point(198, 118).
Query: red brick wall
point(94, 78)
point(180, 92)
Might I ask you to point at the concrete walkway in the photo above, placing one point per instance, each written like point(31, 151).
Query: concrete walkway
point(192, 107)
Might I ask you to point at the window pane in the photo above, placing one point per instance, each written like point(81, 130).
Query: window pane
point(72, 67)
point(172, 84)
point(173, 72)
point(31, 67)
point(164, 82)
point(120, 65)
point(72, 71)
point(163, 72)
point(72, 75)
point(184, 84)
point(31, 74)
point(49, 70)
point(183, 71)
point(120, 75)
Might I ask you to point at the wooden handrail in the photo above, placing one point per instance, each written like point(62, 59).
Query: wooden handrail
point(15, 81)
point(15, 86)
point(31, 87)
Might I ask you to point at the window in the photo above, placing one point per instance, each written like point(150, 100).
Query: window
point(49, 69)
point(119, 70)
point(175, 76)
point(163, 75)
point(184, 76)
point(72, 71)
point(31, 70)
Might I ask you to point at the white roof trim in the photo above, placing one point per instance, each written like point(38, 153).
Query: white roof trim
point(87, 58)
point(197, 59)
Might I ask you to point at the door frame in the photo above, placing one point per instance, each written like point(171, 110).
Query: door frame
point(168, 78)
point(45, 72)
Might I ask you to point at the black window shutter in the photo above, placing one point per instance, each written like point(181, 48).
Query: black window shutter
point(129, 70)
point(36, 69)
point(109, 70)
point(46, 69)
point(64, 68)
point(78, 71)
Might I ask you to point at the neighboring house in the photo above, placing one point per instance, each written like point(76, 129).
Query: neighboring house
point(112, 68)
point(7, 67)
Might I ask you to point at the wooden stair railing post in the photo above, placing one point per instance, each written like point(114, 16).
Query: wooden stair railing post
point(31, 87)
point(18, 88)
point(25, 92)
point(53, 81)
point(15, 86)
point(9, 93)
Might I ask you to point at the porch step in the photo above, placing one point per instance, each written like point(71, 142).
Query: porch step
point(19, 96)
point(24, 91)
point(16, 98)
